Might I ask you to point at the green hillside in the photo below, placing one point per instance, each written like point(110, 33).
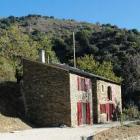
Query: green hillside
point(102, 49)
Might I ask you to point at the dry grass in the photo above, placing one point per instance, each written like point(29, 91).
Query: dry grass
point(119, 132)
point(8, 124)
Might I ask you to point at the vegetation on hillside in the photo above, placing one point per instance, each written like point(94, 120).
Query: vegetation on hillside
point(112, 51)
point(105, 68)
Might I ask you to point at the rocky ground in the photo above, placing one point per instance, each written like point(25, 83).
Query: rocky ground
point(119, 133)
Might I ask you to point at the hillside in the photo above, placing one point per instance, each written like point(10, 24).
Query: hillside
point(49, 25)
point(11, 108)
point(116, 50)
point(10, 124)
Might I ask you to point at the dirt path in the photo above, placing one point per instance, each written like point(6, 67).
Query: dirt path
point(101, 132)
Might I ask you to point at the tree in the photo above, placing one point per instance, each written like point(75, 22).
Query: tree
point(7, 71)
point(60, 47)
point(45, 43)
point(131, 83)
point(14, 43)
point(104, 69)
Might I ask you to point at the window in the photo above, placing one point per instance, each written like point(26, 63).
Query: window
point(102, 88)
point(109, 93)
point(83, 84)
point(83, 113)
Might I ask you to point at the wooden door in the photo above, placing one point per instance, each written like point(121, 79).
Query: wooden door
point(109, 111)
point(83, 113)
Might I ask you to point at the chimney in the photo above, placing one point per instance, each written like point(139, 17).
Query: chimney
point(42, 55)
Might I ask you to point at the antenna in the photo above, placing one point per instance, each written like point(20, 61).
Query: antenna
point(74, 57)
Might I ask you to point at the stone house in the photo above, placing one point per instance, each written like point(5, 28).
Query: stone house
point(57, 94)
point(107, 101)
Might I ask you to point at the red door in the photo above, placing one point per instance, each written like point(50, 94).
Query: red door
point(83, 113)
point(109, 111)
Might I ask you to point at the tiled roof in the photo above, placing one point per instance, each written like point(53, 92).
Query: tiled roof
point(75, 70)
point(82, 72)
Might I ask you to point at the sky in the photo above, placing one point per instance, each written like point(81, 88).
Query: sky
point(123, 13)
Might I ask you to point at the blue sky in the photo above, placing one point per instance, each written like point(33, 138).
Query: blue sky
point(123, 13)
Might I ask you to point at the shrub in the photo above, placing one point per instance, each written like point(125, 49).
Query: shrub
point(131, 113)
point(7, 72)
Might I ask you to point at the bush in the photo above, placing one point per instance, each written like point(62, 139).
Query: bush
point(131, 113)
point(122, 118)
point(7, 72)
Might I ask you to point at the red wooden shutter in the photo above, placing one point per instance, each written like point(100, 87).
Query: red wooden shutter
point(86, 84)
point(107, 107)
point(83, 84)
point(88, 113)
point(79, 113)
point(81, 79)
point(110, 111)
point(102, 108)
point(90, 84)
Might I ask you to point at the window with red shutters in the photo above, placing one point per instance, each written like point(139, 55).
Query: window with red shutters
point(83, 84)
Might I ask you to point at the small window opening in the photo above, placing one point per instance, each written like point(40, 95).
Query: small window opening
point(102, 88)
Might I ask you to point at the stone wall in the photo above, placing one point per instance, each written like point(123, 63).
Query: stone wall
point(11, 103)
point(46, 94)
point(76, 96)
point(103, 99)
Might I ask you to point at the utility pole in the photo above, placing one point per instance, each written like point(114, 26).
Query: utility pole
point(74, 57)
